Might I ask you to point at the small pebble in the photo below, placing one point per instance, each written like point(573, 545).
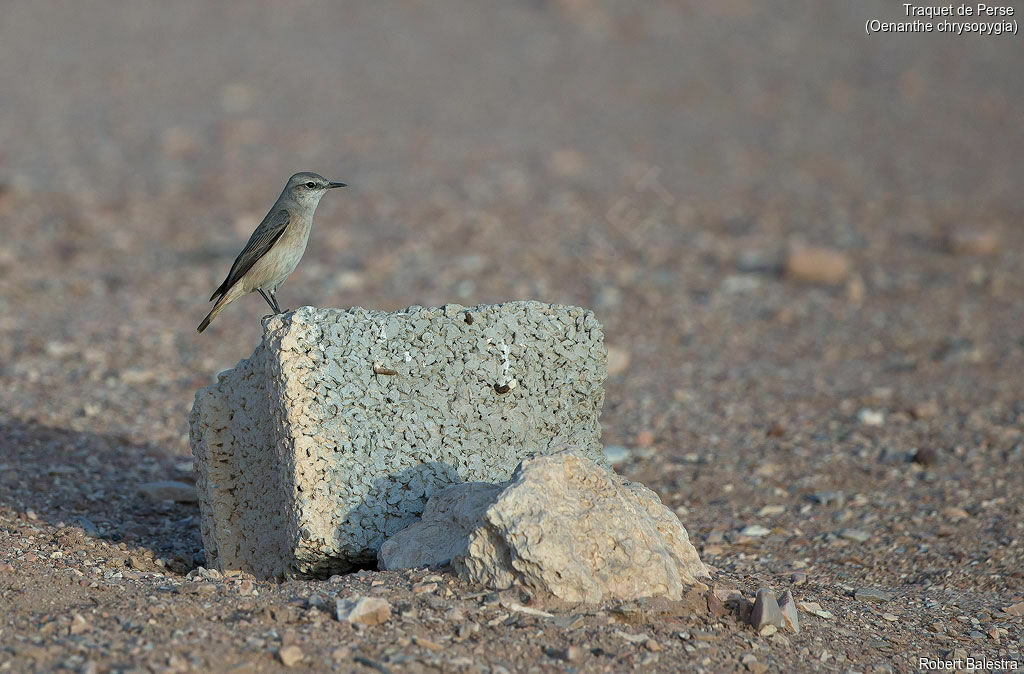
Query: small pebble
point(814, 608)
point(759, 261)
point(828, 498)
point(617, 455)
point(817, 264)
point(367, 611)
point(789, 614)
point(572, 654)
point(755, 531)
point(752, 664)
point(428, 644)
point(855, 535)
point(955, 514)
point(870, 594)
point(871, 417)
point(926, 456)
point(715, 606)
point(766, 611)
point(926, 410)
point(973, 242)
point(78, 625)
point(290, 655)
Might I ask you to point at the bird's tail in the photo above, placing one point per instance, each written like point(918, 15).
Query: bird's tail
point(217, 308)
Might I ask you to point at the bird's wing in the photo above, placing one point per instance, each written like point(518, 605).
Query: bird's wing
point(265, 236)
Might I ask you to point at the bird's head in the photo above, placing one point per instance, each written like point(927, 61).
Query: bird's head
point(308, 187)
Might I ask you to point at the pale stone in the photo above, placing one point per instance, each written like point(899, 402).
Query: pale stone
point(755, 531)
point(290, 655)
point(367, 611)
point(789, 612)
point(567, 526)
point(617, 454)
point(78, 625)
point(310, 453)
point(814, 608)
point(817, 264)
point(871, 417)
point(443, 532)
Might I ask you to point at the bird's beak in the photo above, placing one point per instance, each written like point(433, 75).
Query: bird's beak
point(331, 186)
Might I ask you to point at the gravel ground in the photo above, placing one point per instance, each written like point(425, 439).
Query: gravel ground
point(826, 421)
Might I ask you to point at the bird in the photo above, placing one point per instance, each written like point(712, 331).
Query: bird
point(276, 246)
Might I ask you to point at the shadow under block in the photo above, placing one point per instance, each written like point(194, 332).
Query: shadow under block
point(333, 434)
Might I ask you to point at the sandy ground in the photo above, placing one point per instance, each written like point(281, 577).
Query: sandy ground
point(653, 161)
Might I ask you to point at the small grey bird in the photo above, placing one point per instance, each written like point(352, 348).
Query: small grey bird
point(276, 246)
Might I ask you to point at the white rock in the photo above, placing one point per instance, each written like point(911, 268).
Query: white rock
point(755, 531)
point(567, 526)
point(871, 417)
point(367, 611)
point(449, 518)
point(814, 608)
point(789, 613)
point(617, 454)
point(307, 459)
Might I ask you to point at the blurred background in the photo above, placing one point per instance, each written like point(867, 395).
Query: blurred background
point(655, 161)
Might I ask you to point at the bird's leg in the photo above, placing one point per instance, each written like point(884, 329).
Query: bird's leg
point(272, 303)
point(273, 298)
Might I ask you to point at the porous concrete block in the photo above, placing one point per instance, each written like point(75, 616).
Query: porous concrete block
point(333, 434)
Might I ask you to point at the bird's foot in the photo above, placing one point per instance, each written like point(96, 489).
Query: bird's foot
point(279, 313)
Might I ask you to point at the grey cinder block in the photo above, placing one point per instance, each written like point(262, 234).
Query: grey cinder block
point(333, 434)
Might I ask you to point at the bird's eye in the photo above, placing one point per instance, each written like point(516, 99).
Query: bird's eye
point(310, 185)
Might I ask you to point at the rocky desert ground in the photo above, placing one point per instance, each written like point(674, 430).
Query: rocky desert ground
point(804, 244)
